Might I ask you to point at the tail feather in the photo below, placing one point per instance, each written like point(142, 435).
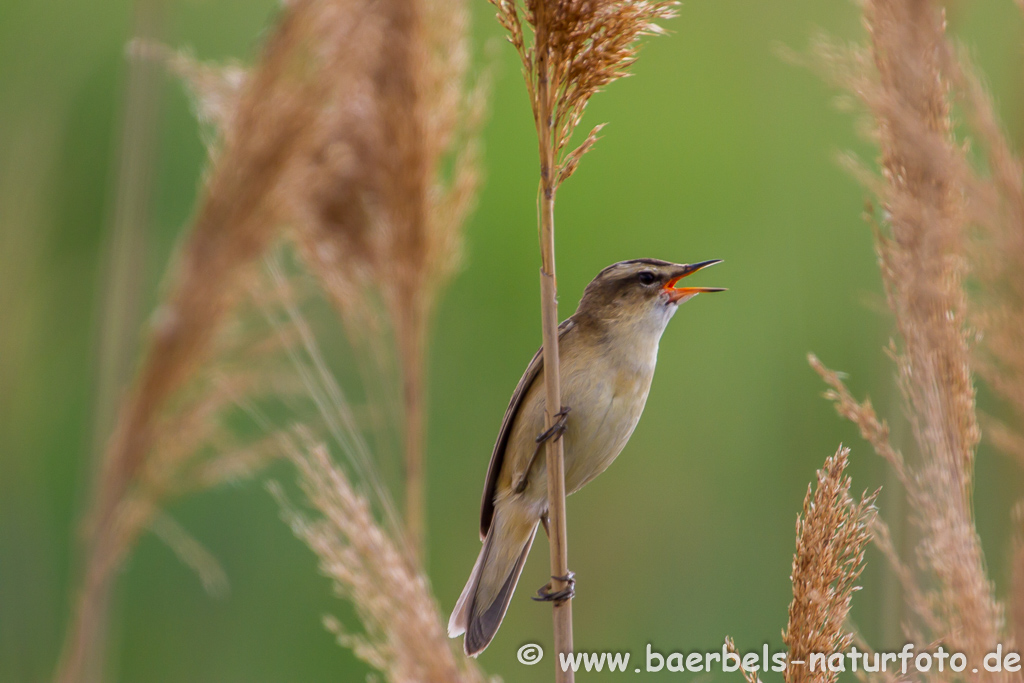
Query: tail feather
point(485, 599)
point(460, 615)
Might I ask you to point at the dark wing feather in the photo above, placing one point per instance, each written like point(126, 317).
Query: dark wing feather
point(498, 456)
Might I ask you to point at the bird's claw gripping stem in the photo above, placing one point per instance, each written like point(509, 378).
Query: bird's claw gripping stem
point(545, 594)
point(555, 431)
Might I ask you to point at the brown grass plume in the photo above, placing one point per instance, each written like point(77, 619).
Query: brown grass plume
point(378, 205)
point(831, 535)
point(357, 129)
point(907, 76)
point(402, 636)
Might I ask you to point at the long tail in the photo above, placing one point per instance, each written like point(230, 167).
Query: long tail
point(484, 600)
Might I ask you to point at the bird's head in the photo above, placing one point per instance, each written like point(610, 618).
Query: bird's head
point(641, 292)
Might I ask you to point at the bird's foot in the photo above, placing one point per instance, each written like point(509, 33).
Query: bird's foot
point(545, 594)
point(556, 430)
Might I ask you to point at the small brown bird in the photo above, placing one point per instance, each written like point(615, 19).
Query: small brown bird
point(607, 351)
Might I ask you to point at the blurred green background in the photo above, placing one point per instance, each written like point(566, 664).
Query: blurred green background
point(716, 148)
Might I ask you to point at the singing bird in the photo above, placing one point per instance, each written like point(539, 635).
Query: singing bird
point(607, 352)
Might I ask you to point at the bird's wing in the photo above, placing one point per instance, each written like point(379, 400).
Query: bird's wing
point(498, 456)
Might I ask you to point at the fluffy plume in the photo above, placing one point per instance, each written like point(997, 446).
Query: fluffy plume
point(340, 131)
point(402, 635)
point(997, 254)
point(831, 534)
point(585, 46)
point(378, 206)
point(927, 191)
point(234, 225)
point(383, 227)
point(996, 201)
point(347, 516)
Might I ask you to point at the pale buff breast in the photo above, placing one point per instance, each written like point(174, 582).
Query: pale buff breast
point(605, 409)
point(606, 404)
point(615, 400)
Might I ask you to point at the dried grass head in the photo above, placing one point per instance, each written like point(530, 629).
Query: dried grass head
point(831, 535)
point(298, 144)
point(907, 76)
point(383, 205)
point(402, 635)
point(578, 48)
point(377, 195)
point(267, 135)
point(378, 191)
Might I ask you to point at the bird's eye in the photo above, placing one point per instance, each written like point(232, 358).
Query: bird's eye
point(646, 278)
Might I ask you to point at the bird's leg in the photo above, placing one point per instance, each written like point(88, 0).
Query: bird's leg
point(544, 593)
point(553, 432)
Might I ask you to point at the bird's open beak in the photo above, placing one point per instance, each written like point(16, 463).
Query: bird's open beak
point(679, 294)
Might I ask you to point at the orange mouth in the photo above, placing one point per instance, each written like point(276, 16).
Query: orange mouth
point(679, 294)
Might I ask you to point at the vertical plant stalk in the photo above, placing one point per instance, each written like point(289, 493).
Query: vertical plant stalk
point(579, 47)
point(82, 659)
point(412, 346)
point(118, 333)
point(557, 532)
